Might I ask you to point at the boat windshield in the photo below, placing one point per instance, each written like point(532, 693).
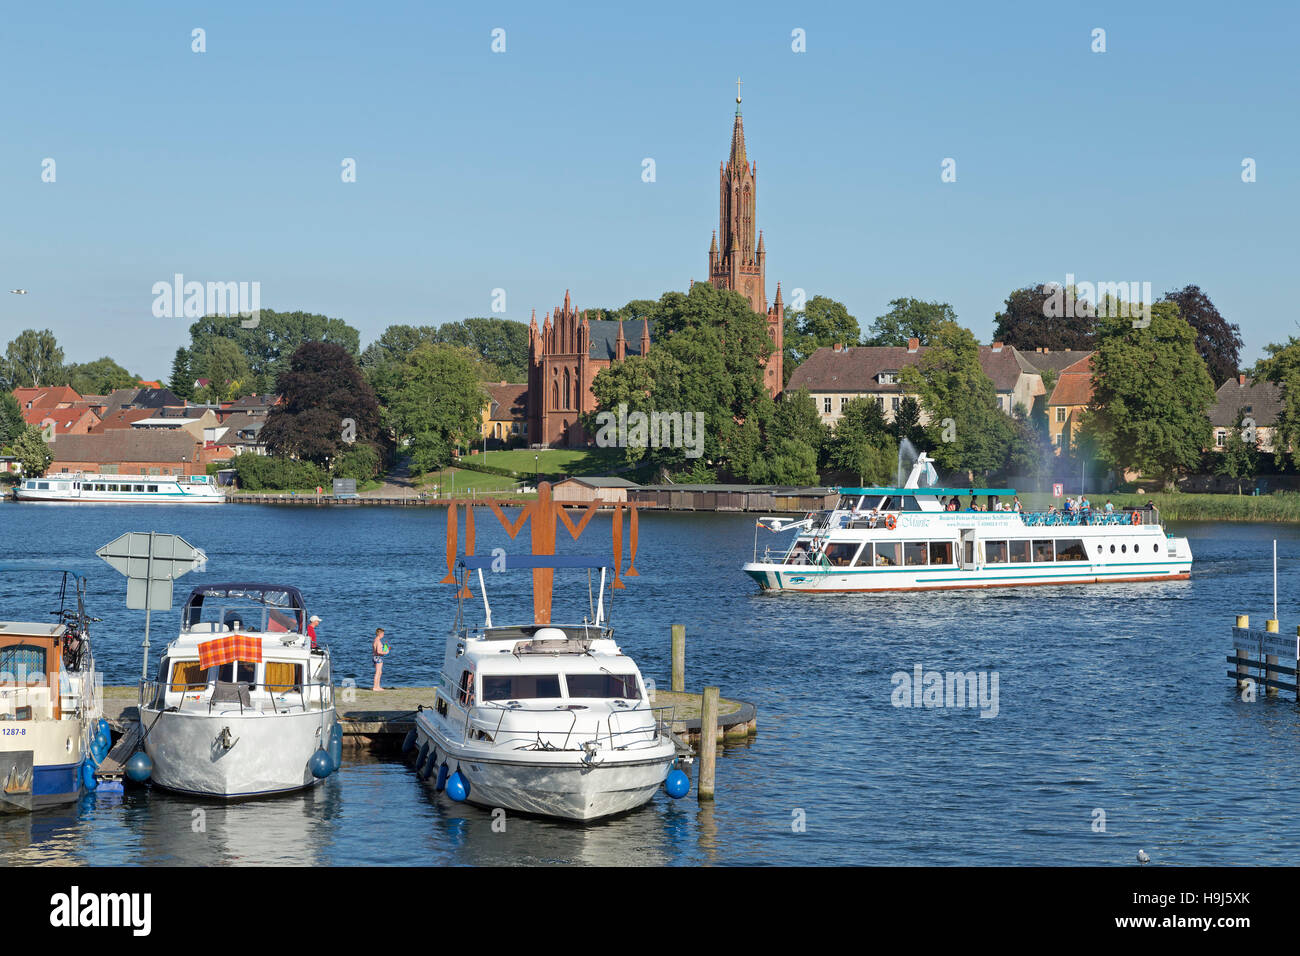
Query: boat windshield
point(245, 607)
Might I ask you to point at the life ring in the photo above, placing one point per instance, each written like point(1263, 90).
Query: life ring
point(891, 522)
point(1135, 517)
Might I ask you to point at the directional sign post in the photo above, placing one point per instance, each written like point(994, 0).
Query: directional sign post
point(151, 562)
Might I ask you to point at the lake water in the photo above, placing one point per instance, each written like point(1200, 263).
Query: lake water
point(1110, 698)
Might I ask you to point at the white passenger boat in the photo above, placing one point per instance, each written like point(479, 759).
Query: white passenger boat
point(49, 702)
point(243, 704)
point(121, 489)
point(543, 719)
point(918, 538)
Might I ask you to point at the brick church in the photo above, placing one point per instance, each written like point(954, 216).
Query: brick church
point(569, 349)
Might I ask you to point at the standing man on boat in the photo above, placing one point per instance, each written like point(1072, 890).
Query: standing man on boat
point(378, 649)
point(311, 630)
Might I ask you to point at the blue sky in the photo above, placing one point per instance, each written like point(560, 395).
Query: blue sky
point(522, 170)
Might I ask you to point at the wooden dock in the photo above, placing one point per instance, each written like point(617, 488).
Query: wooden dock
point(380, 720)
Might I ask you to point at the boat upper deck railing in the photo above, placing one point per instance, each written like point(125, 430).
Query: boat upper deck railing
point(1131, 516)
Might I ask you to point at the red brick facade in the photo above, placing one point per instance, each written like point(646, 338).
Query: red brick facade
point(567, 351)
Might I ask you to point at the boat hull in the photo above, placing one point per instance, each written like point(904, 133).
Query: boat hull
point(553, 784)
point(785, 577)
point(271, 753)
point(40, 764)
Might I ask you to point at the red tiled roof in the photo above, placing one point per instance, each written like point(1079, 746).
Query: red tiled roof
point(122, 418)
point(1074, 386)
point(126, 444)
point(509, 401)
point(46, 397)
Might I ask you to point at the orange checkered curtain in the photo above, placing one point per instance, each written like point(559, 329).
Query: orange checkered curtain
point(233, 647)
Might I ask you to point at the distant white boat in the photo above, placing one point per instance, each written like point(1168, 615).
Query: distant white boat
point(915, 538)
point(82, 488)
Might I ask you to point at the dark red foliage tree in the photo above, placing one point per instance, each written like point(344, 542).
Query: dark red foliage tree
point(1027, 324)
point(328, 406)
point(1217, 341)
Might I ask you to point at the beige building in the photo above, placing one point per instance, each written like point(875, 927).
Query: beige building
point(835, 375)
point(1239, 399)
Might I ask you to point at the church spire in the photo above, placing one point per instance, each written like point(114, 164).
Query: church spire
point(738, 134)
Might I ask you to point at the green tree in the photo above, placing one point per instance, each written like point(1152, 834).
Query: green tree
point(501, 344)
point(707, 357)
point(32, 452)
point(11, 419)
point(1151, 393)
point(861, 443)
point(328, 406)
point(793, 443)
point(226, 368)
point(821, 322)
point(1240, 458)
point(909, 318)
point(438, 405)
point(967, 430)
point(907, 423)
point(32, 359)
point(182, 380)
point(1281, 366)
point(268, 345)
point(98, 377)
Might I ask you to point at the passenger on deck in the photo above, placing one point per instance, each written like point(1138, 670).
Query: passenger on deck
point(1015, 504)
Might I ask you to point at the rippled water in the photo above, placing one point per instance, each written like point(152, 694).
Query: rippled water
point(1111, 698)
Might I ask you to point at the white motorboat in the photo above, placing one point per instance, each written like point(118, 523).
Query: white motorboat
point(50, 703)
point(544, 719)
point(121, 489)
point(920, 538)
point(243, 704)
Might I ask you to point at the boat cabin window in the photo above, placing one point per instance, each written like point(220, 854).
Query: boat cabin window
point(798, 554)
point(1042, 551)
point(603, 686)
point(1020, 551)
point(900, 503)
point(282, 676)
point(1071, 549)
point(889, 554)
point(941, 552)
point(23, 663)
point(188, 675)
point(995, 552)
point(914, 553)
point(522, 686)
point(841, 554)
point(238, 672)
point(466, 686)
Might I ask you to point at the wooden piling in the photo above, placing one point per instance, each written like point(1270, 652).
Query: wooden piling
point(708, 742)
point(1243, 622)
point(679, 659)
point(1270, 660)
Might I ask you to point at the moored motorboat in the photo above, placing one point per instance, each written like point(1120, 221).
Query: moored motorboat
point(541, 718)
point(243, 704)
point(51, 735)
point(919, 538)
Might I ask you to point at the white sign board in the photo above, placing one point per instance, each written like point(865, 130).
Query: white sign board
point(1058, 490)
point(1255, 641)
point(151, 562)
